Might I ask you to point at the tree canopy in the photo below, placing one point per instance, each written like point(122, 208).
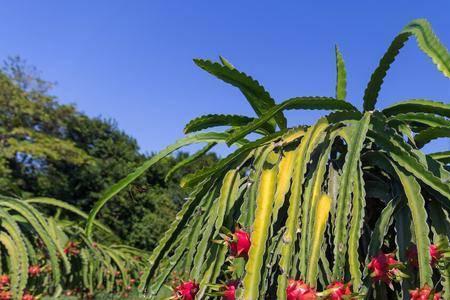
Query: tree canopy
point(53, 150)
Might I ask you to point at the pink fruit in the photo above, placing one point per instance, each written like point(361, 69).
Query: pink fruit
point(383, 267)
point(298, 290)
point(425, 293)
point(339, 291)
point(229, 290)
point(239, 243)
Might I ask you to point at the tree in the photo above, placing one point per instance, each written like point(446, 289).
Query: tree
point(49, 149)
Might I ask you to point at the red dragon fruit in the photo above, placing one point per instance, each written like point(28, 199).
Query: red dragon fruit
point(239, 243)
point(338, 291)
point(384, 267)
point(298, 290)
point(186, 290)
point(425, 293)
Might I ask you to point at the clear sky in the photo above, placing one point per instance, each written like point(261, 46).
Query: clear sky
point(132, 60)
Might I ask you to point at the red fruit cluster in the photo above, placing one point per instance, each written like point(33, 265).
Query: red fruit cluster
point(72, 249)
point(5, 295)
point(239, 243)
point(425, 293)
point(298, 290)
point(338, 291)
point(384, 267)
point(412, 255)
point(186, 290)
point(34, 270)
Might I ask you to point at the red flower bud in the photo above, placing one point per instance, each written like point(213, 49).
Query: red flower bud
point(186, 290)
point(412, 255)
point(239, 243)
point(425, 293)
point(338, 291)
point(435, 254)
point(383, 267)
point(229, 290)
point(34, 270)
point(72, 249)
point(298, 290)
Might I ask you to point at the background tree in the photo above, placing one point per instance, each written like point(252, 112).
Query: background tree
point(53, 150)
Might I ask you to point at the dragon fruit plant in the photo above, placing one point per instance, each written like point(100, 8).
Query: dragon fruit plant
point(348, 207)
point(44, 255)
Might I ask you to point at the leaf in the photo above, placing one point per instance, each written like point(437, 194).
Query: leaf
point(416, 204)
point(14, 232)
point(355, 140)
point(311, 195)
point(427, 119)
point(169, 237)
point(356, 224)
point(208, 121)
point(261, 225)
point(284, 177)
point(71, 208)
point(307, 145)
point(39, 225)
point(443, 157)
point(229, 193)
point(239, 154)
point(256, 95)
point(418, 106)
point(381, 228)
point(427, 135)
point(189, 160)
point(225, 62)
point(124, 182)
point(248, 206)
point(402, 154)
point(341, 76)
point(403, 238)
point(427, 42)
point(13, 255)
point(323, 210)
point(323, 103)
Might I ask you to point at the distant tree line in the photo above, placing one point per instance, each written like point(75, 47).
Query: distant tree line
point(52, 150)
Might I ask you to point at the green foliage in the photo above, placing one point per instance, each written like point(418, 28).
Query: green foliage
point(61, 255)
point(319, 201)
point(49, 149)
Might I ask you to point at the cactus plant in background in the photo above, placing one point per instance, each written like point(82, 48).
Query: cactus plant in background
point(332, 209)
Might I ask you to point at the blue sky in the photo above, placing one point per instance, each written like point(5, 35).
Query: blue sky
point(132, 60)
